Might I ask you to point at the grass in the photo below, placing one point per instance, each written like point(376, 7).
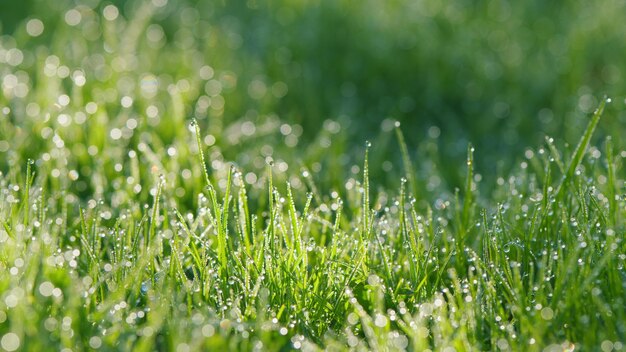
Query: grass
point(149, 201)
point(522, 70)
point(540, 265)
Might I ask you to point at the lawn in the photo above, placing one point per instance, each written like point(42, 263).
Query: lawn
point(182, 175)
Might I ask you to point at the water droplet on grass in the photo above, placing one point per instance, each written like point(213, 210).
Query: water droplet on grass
point(10, 341)
point(145, 286)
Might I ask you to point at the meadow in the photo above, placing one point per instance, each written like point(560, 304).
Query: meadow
point(182, 175)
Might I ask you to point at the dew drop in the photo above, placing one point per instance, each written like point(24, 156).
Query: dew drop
point(145, 286)
point(10, 341)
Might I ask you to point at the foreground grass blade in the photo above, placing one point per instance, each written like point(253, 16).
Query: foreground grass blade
point(581, 148)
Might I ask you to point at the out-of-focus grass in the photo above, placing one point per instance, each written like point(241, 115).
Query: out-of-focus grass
point(499, 74)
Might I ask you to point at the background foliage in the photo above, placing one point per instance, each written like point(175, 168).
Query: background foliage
point(497, 73)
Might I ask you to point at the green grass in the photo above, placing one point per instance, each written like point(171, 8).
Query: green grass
point(163, 193)
point(539, 265)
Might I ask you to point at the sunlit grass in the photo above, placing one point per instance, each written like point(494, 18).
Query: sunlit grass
point(539, 265)
point(157, 195)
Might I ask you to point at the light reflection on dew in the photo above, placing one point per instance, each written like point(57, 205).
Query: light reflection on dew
point(149, 85)
point(34, 27)
point(110, 12)
point(10, 342)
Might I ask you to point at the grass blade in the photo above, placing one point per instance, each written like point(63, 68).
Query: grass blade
point(581, 148)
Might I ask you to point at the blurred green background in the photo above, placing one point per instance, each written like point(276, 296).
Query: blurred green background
point(499, 74)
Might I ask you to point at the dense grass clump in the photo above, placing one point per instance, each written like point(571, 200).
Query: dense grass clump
point(189, 176)
point(540, 265)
